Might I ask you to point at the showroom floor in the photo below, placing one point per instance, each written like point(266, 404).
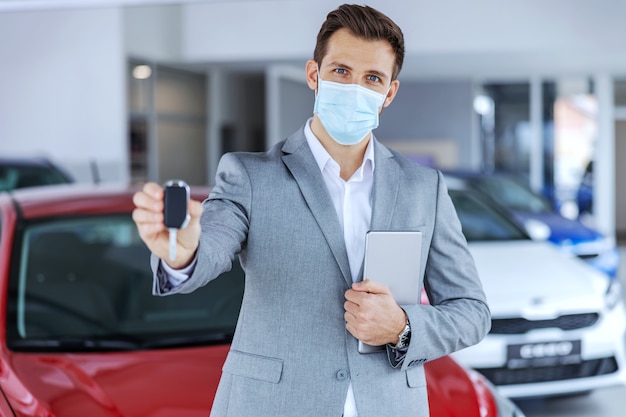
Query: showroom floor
point(607, 402)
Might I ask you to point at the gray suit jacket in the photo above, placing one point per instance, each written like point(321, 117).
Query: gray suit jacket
point(291, 354)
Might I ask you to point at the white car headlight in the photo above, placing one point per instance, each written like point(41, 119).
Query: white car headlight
point(613, 294)
point(537, 230)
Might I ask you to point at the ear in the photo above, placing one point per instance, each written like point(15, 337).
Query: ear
point(311, 74)
point(393, 89)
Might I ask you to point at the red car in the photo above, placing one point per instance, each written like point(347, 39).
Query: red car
point(82, 336)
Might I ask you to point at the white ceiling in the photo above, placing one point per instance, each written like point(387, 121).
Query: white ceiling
point(26, 5)
point(483, 39)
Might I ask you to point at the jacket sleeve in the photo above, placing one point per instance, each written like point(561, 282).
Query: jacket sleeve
point(224, 224)
point(458, 315)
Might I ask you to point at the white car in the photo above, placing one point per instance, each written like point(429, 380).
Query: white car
point(558, 324)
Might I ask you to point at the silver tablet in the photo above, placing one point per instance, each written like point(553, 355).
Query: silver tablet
point(393, 258)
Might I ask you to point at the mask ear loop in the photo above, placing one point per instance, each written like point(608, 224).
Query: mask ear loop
point(317, 89)
point(318, 79)
point(382, 106)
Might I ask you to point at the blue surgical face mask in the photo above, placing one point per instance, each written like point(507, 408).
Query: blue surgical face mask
point(348, 112)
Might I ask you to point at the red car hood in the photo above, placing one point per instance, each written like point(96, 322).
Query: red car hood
point(174, 382)
point(159, 383)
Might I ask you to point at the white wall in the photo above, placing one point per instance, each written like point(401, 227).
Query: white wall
point(443, 38)
point(62, 72)
point(251, 30)
point(62, 84)
point(153, 32)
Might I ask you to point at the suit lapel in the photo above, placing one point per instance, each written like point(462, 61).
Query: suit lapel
point(301, 163)
point(386, 184)
point(385, 190)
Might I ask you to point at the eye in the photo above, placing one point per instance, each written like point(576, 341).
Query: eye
point(341, 71)
point(373, 78)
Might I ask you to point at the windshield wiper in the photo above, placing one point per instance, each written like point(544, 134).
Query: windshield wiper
point(204, 339)
point(121, 343)
point(74, 344)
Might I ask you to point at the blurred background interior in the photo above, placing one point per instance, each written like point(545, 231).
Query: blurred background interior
point(131, 90)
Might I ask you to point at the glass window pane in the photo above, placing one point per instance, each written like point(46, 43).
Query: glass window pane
point(511, 127)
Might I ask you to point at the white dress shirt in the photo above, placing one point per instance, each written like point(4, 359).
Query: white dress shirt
point(353, 203)
point(352, 200)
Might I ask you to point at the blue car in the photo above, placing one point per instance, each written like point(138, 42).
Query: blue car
point(533, 213)
point(584, 195)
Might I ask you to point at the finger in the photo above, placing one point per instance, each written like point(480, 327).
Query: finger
point(348, 317)
point(351, 329)
point(195, 208)
point(353, 296)
point(154, 190)
point(370, 286)
point(351, 308)
point(143, 216)
point(146, 201)
point(351, 323)
point(149, 231)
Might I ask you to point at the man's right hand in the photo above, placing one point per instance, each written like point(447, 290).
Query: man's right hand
point(148, 216)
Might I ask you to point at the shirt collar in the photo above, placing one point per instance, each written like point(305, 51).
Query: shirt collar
point(321, 155)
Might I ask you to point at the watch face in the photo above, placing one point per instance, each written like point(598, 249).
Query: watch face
point(405, 337)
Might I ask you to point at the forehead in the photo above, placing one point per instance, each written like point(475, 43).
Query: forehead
point(366, 55)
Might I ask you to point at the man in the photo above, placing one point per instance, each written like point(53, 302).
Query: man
point(297, 217)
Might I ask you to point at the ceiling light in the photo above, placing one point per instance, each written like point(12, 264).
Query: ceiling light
point(142, 72)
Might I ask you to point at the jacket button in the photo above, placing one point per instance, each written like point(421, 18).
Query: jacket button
point(342, 375)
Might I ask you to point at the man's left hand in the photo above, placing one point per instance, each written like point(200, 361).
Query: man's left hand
point(371, 313)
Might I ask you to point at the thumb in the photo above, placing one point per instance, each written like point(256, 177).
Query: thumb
point(195, 208)
point(367, 285)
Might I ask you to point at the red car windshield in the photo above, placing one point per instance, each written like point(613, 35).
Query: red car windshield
point(85, 284)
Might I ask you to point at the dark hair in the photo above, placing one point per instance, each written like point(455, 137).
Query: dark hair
point(364, 22)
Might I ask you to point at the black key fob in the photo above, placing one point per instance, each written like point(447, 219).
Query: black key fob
point(176, 204)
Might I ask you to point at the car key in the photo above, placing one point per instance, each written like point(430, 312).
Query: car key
point(175, 210)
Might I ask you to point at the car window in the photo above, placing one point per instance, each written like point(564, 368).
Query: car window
point(480, 222)
point(512, 194)
point(18, 176)
point(86, 284)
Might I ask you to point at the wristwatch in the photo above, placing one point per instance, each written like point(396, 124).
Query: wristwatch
point(404, 338)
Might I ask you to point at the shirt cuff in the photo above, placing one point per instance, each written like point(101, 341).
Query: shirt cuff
point(175, 277)
point(396, 356)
